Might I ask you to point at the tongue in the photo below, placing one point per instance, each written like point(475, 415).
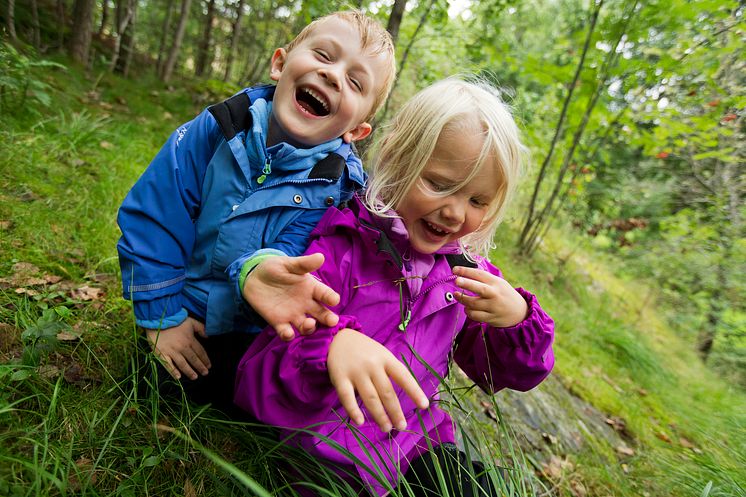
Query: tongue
point(307, 107)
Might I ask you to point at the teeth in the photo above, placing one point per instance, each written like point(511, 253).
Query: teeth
point(318, 97)
point(436, 229)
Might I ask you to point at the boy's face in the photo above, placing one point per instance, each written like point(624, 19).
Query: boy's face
point(326, 86)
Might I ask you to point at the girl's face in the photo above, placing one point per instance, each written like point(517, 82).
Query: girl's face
point(433, 218)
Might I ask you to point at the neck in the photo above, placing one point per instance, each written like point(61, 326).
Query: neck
point(275, 134)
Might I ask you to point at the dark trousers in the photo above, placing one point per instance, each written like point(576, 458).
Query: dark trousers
point(225, 352)
point(462, 477)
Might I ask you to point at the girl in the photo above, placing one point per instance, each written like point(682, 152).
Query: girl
point(408, 263)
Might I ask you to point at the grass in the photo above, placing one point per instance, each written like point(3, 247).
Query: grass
point(71, 420)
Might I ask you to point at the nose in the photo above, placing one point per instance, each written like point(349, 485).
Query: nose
point(331, 75)
point(454, 212)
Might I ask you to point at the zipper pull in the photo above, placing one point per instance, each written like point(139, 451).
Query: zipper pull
point(267, 170)
point(405, 321)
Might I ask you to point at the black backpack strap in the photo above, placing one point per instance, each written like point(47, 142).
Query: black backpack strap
point(460, 260)
point(330, 167)
point(232, 115)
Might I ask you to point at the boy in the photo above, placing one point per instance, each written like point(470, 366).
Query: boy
point(254, 172)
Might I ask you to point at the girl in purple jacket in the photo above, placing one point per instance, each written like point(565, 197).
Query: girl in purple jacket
point(408, 262)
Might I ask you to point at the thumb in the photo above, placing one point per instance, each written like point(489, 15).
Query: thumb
point(305, 264)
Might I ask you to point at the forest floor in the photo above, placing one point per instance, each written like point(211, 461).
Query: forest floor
point(71, 422)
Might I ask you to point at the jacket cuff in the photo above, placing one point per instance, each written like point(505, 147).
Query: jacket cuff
point(535, 331)
point(164, 323)
point(157, 309)
point(311, 351)
point(254, 261)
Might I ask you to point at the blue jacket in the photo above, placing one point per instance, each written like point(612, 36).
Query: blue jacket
point(214, 195)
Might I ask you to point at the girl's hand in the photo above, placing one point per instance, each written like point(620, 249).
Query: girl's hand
point(283, 292)
point(358, 363)
point(179, 349)
point(494, 301)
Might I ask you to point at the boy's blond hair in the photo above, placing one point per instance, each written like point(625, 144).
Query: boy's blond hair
point(373, 37)
point(457, 108)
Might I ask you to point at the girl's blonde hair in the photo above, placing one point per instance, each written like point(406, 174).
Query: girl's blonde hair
point(458, 108)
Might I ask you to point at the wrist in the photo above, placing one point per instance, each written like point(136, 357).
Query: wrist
point(252, 263)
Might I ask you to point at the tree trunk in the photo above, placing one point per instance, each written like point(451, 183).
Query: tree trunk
point(82, 30)
point(61, 23)
point(405, 55)
point(204, 60)
point(173, 54)
point(124, 18)
point(234, 41)
point(127, 45)
point(164, 33)
point(11, 20)
point(36, 31)
point(104, 16)
point(397, 12)
point(530, 215)
point(542, 221)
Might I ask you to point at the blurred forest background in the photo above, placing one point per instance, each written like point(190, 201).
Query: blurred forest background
point(633, 111)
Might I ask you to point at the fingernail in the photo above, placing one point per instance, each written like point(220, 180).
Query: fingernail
point(402, 425)
point(386, 427)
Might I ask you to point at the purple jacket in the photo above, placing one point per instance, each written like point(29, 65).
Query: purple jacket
point(367, 258)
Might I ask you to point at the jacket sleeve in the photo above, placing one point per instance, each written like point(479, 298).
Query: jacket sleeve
point(287, 383)
point(157, 220)
point(518, 357)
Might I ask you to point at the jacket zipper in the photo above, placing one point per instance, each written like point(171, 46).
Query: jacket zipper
point(405, 311)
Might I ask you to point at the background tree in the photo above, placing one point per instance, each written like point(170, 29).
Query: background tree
point(204, 58)
point(82, 28)
point(173, 54)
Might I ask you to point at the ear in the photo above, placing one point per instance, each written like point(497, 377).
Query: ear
point(357, 133)
point(278, 63)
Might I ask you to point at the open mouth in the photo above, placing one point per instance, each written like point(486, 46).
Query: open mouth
point(436, 230)
point(312, 102)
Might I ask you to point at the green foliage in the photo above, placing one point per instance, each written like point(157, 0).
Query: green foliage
point(18, 84)
point(40, 338)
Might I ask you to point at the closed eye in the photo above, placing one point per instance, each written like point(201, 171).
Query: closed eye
point(478, 202)
point(322, 54)
point(436, 186)
point(358, 86)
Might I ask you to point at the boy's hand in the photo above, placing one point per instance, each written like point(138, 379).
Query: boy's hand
point(283, 292)
point(494, 302)
point(359, 364)
point(179, 349)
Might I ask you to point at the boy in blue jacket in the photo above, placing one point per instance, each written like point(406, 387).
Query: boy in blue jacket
point(247, 179)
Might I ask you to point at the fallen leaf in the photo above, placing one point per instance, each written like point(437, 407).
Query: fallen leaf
point(26, 291)
point(5, 225)
point(86, 293)
point(663, 436)
point(120, 100)
point(549, 438)
point(106, 145)
point(578, 489)
point(67, 337)
point(642, 392)
point(713, 103)
point(686, 443)
point(85, 471)
point(623, 450)
point(729, 117)
point(661, 155)
point(189, 490)
point(106, 105)
point(625, 468)
point(167, 115)
point(48, 371)
point(24, 268)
